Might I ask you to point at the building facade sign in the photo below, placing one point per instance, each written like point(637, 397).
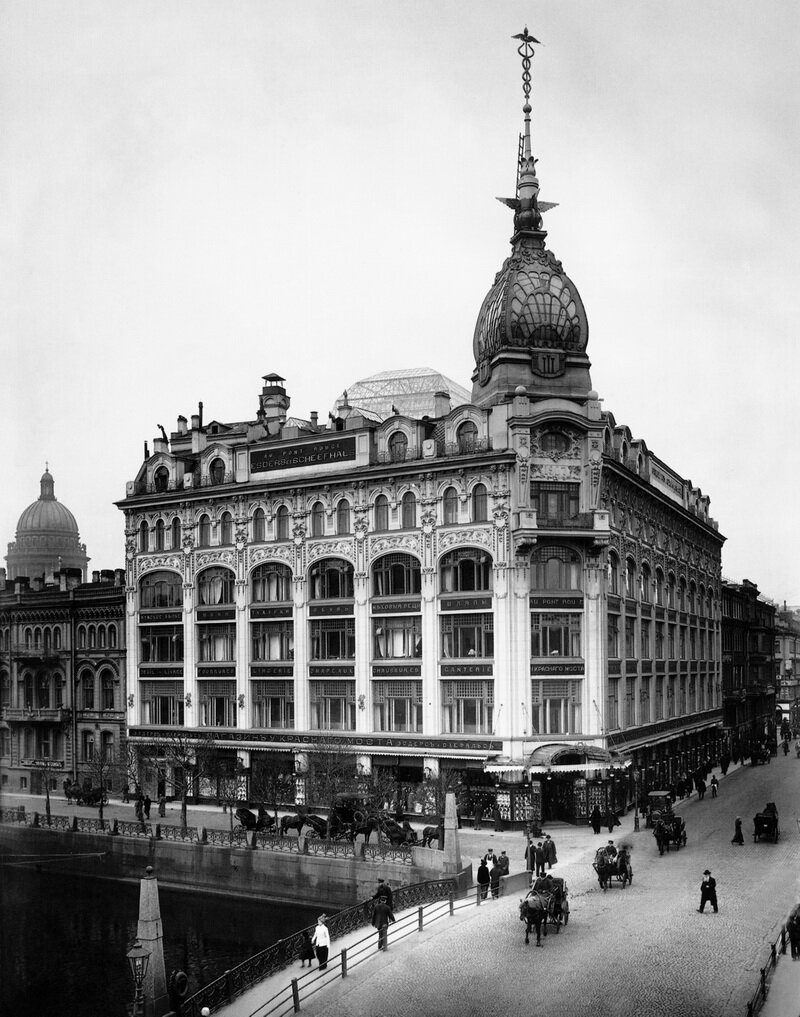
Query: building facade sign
point(314, 453)
point(271, 612)
point(396, 670)
point(539, 601)
point(397, 606)
point(459, 670)
point(465, 603)
point(551, 668)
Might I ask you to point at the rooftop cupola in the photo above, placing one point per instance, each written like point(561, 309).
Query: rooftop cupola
point(273, 404)
point(532, 328)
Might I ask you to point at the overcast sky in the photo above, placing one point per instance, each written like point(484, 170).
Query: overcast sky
point(194, 194)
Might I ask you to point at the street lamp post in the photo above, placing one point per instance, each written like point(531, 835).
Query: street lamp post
point(138, 958)
point(635, 801)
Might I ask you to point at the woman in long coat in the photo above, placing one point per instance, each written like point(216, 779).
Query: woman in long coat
point(596, 819)
point(737, 835)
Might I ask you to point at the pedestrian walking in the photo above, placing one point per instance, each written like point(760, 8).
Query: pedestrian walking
point(596, 819)
point(384, 893)
point(146, 805)
point(611, 820)
point(478, 816)
point(504, 863)
point(483, 880)
point(306, 949)
point(494, 880)
point(539, 859)
point(321, 941)
point(381, 917)
point(497, 818)
point(126, 795)
point(793, 929)
point(701, 789)
point(162, 806)
point(738, 838)
point(549, 851)
point(138, 808)
point(529, 856)
point(708, 892)
point(714, 786)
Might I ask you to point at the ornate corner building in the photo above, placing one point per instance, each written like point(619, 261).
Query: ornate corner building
point(503, 581)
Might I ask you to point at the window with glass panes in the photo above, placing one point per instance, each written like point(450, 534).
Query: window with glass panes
point(397, 636)
point(216, 586)
point(271, 583)
point(613, 635)
point(217, 703)
point(397, 705)
point(467, 635)
point(333, 705)
point(630, 636)
point(87, 690)
point(630, 702)
point(659, 700)
point(556, 569)
point(216, 642)
point(331, 579)
point(467, 707)
point(381, 512)
point(107, 681)
point(43, 692)
point(682, 645)
point(161, 644)
point(613, 575)
point(259, 526)
point(88, 746)
point(343, 516)
point(161, 589)
point(273, 703)
point(612, 704)
point(659, 640)
point(396, 575)
point(671, 704)
point(556, 706)
point(333, 639)
point(467, 570)
point(645, 627)
point(318, 519)
point(672, 641)
point(682, 696)
point(161, 702)
point(554, 502)
point(644, 700)
point(691, 705)
point(556, 634)
point(408, 511)
point(272, 640)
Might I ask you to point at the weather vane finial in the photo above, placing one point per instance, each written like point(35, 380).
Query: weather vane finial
point(525, 50)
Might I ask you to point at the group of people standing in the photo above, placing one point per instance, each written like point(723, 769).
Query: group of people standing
point(491, 869)
point(597, 820)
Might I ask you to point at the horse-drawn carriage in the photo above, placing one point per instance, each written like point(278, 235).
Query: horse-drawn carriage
point(765, 824)
point(659, 806)
point(670, 830)
point(248, 821)
point(94, 796)
point(542, 907)
point(613, 867)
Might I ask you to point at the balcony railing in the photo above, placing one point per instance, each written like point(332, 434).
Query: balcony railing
point(565, 521)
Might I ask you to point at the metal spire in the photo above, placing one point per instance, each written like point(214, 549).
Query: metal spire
point(525, 50)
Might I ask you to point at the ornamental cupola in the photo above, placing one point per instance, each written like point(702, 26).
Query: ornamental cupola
point(532, 328)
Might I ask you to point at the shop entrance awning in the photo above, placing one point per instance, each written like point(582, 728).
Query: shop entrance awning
point(566, 757)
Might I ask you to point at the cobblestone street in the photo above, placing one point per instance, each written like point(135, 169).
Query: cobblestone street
point(644, 949)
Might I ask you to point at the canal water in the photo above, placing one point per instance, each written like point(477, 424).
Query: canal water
point(63, 939)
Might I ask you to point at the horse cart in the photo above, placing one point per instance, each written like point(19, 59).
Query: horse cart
point(659, 806)
point(670, 830)
point(611, 868)
point(765, 824)
point(94, 796)
point(540, 908)
point(248, 821)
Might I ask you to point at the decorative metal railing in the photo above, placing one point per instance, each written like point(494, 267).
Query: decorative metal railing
point(185, 834)
point(125, 829)
point(275, 958)
point(759, 997)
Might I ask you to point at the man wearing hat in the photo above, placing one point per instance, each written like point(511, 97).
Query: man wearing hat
point(708, 892)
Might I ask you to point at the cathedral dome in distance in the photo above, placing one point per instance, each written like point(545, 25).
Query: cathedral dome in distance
point(47, 538)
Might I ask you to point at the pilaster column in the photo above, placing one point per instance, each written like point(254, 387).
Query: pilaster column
point(244, 718)
point(431, 691)
point(191, 713)
point(302, 718)
point(594, 646)
point(363, 652)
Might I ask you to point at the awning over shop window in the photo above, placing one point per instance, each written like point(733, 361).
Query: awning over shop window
point(563, 757)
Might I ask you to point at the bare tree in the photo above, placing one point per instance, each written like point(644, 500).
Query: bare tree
point(46, 766)
point(226, 773)
point(331, 770)
point(270, 784)
point(183, 761)
point(101, 770)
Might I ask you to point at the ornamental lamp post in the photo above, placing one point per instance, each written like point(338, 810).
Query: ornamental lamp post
point(138, 959)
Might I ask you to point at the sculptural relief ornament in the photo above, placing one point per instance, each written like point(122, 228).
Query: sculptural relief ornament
point(261, 554)
point(458, 537)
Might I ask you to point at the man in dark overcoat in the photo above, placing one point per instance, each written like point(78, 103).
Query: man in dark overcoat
point(708, 892)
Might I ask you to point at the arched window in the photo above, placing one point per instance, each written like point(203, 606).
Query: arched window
point(556, 570)
point(161, 479)
point(216, 472)
point(43, 692)
point(81, 636)
point(450, 506)
point(159, 534)
point(331, 579)
point(398, 446)
point(175, 534)
point(101, 636)
point(480, 507)
point(630, 578)
point(226, 528)
point(381, 512)
point(282, 523)
point(160, 589)
point(701, 596)
point(28, 639)
point(216, 586)
point(47, 640)
point(682, 595)
point(318, 519)
point(92, 637)
point(343, 516)
point(671, 590)
point(395, 575)
point(465, 570)
point(692, 601)
point(87, 689)
point(613, 575)
point(659, 588)
point(56, 639)
point(204, 531)
point(408, 511)
point(107, 690)
point(38, 638)
point(5, 690)
point(467, 436)
point(259, 526)
point(144, 536)
point(271, 582)
point(645, 583)
point(27, 691)
point(112, 637)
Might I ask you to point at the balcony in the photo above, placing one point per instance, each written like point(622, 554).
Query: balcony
point(36, 651)
point(34, 715)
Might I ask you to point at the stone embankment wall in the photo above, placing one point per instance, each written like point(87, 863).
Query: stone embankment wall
point(273, 874)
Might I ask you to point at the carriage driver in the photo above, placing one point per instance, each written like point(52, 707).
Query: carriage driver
point(611, 851)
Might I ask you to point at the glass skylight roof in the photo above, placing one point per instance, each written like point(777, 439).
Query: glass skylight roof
point(409, 391)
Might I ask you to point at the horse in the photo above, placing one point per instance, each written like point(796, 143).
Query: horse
point(428, 834)
point(318, 825)
point(396, 835)
point(602, 866)
point(72, 791)
point(533, 911)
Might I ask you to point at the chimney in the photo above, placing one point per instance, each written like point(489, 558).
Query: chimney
point(146, 451)
point(73, 577)
point(181, 425)
point(106, 575)
point(62, 581)
point(159, 445)
point(2, 580)
point(273, 404)
point(195, 421)
point(21, 584)
point(38, 584)
point(200, 413)
point(314, 418)
point(119, 577)
point(441, 404)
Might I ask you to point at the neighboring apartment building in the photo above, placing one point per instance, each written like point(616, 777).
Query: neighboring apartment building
point(62, 680)
point(787, 666)
point(748, 667)
point(505, 582)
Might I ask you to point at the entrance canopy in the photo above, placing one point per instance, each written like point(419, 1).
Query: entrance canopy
point(563, 757)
